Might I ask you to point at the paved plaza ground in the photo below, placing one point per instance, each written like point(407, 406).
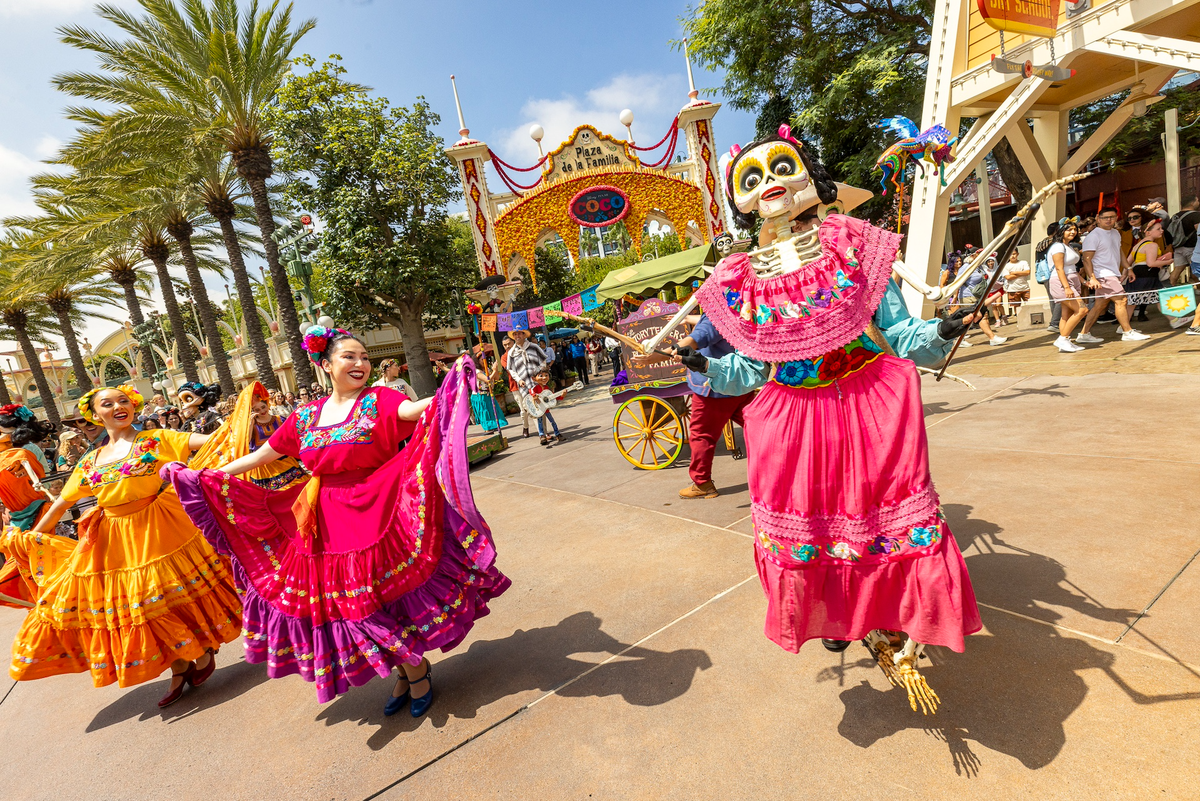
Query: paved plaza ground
point(628, 660)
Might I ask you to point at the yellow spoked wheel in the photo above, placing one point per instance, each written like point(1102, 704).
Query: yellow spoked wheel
point(648, 432)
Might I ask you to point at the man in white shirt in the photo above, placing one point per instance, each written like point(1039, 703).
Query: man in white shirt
point(1106, 270)
point(389, 376)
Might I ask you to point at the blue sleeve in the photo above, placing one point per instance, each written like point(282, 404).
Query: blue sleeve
point(736, 374)
point(704, 334)
point(911, 337)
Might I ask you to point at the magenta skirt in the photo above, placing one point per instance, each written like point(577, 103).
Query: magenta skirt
point(849, 536)
point(402, 564)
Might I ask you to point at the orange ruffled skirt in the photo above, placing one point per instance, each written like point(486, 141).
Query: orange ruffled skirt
point(139, 590)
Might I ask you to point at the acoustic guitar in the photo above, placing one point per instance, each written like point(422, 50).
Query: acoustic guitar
point(538, 405)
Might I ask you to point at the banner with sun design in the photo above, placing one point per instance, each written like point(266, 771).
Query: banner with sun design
point(1177, 301)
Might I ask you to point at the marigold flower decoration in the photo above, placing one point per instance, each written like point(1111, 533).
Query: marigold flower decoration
point(316, 338)
point(130, 391)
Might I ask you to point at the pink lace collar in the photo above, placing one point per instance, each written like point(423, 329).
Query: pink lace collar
point(811, 311)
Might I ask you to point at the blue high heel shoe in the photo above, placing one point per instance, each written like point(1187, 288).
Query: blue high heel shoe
point(421, 705)
point(396, 703)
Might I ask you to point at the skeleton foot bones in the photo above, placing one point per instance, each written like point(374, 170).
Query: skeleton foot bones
point(901, 670)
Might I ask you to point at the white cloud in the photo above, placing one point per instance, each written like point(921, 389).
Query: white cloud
point(654, 100)
point(15, 170)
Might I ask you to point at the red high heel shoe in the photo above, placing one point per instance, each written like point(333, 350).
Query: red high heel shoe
point(200, 675)
point(177, 693)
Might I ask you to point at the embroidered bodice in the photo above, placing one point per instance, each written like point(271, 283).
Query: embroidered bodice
point(810, 312)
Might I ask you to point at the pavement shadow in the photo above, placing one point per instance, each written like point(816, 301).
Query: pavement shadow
point(1014, 688)
point(141, 702)
point(541, 659)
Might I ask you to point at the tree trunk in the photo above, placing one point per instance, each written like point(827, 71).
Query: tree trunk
point(288, 319)
point(1012, 172)
point(183, 345)
point(241, 280)
point(137, 318)
point(416, 352)
point(182, 234)
point(5, 396)
point(39, 375)
point(78, 365)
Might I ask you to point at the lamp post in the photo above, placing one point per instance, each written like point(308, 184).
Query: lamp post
point(299, 235)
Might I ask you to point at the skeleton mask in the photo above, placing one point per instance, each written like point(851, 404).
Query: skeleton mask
point(724, 243)
point(769, 178)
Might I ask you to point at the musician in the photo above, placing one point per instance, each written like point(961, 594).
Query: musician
point(541, 383)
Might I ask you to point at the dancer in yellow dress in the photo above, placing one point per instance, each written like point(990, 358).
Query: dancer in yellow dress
point(142, 591)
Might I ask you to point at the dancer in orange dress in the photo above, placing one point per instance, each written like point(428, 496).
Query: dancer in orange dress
point(21, 492)
point(142, 591)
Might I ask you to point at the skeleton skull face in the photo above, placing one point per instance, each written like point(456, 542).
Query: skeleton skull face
point(189, 403)
point(724, 243)
point(768, 179)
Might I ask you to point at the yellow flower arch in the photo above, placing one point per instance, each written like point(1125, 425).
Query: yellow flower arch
point(522, 224)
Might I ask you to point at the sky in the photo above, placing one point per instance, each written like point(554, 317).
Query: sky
point(557, 64)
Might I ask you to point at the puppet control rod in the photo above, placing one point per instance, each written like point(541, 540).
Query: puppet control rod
point(591, 325)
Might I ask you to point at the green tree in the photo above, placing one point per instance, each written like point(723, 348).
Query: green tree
point(379, 179)
point(555, 279)
point(842, 64)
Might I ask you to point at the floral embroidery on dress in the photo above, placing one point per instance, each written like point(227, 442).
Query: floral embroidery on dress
point(141, 461)
point(358, 429)
point(824, 370)
point(882, 548)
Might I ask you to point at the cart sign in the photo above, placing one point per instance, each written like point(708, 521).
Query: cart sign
point(1032, 17)
point(598, 206)
point(644, 323)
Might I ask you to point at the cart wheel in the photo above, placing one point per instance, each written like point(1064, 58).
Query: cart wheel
point(648, 432)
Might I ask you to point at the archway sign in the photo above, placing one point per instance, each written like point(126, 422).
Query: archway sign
point(592, 180)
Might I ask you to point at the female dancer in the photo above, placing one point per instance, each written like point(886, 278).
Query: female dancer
point(21, 491)
point(141, 591)
point(851, 542)
point(383, 559)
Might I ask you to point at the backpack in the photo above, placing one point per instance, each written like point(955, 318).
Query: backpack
point(1041, 270)
point(1177, 231)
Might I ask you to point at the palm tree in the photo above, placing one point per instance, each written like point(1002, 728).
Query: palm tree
point(123, 266)
point(194, 76)
point(67, 283)
point(154, 247)
point(179, 225)
point(253, 56)
point(19, 310)
point(217, 194)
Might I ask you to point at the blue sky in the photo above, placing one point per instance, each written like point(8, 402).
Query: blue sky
point(558, 64)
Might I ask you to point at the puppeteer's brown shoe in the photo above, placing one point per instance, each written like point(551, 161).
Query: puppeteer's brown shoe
point(705, 490)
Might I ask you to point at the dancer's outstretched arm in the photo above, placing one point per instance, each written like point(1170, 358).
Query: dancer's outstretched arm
point(411, 410)
point(53, 515)
point(264, 455)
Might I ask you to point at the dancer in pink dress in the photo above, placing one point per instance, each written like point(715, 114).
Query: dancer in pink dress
point(850, 542)
point(383, 558)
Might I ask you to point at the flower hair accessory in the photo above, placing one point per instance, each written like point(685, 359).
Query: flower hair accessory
point(17, 410)
point(316, 339)
point(85, 403)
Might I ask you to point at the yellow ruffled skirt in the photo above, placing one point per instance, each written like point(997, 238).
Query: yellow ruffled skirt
point(139, 590)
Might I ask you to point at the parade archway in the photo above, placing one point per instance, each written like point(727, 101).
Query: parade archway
point(593, 180)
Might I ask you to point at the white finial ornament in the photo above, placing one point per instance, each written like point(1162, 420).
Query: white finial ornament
point(462, 125)
point(693, 95)
point(536, 132)
point(627, 120)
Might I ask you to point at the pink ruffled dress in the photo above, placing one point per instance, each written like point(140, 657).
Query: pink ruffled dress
point(849, 536)
point(395, 559)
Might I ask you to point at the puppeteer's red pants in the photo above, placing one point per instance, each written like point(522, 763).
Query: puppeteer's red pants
point(709, 416)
